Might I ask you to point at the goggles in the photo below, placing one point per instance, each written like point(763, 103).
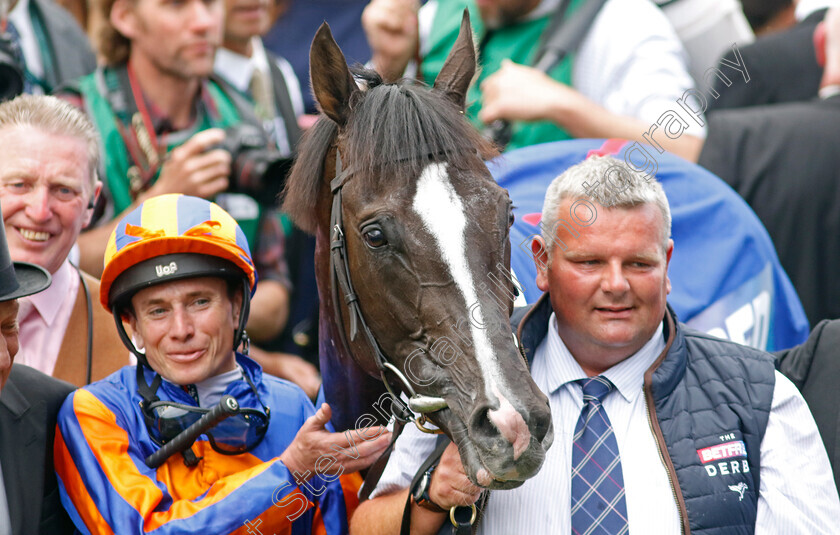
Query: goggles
point(235, 434)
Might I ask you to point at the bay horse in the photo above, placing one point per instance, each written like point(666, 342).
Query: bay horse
point(409, 225)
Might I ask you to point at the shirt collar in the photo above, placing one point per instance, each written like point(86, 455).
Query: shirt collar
point(238, 69)
point(245, 366)
point(49, 301)
point(210, 390)
point(627, 375)
point(544, 8)
point(20, 14)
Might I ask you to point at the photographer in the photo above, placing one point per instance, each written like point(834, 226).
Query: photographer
point(168, 127)
point(269, 80)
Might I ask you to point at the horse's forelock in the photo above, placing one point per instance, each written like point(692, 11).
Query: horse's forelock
point(393, 132)
point(396, 128)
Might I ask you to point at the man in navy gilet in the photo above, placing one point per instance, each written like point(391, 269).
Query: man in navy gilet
point(682, 432)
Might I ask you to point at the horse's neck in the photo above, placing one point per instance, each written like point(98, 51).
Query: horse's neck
point(349, 390)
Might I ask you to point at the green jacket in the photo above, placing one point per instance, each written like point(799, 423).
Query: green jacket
point(120, 169)
point(517, 42)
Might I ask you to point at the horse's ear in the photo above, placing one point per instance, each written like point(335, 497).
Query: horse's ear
point(458, 70)
point(332, 82)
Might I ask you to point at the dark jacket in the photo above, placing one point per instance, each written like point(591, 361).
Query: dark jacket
point(814, 367)
point(70, 55)
point(782, 67)
point(711, 399)
point(783, 160)
point(28, 408)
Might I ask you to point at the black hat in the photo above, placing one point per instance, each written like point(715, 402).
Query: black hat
point(19, 279)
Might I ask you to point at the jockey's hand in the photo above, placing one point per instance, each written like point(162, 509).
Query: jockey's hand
point(192, 169)
point(315, 450)
point(450, 485)
point(520, 93)
point(391, 29)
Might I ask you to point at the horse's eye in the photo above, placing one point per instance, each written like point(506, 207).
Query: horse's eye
point(374, 238)
point(511, 218)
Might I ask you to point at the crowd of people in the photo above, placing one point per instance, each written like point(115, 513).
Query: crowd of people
point(149, 274)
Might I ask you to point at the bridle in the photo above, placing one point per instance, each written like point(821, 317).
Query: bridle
point(340, 275)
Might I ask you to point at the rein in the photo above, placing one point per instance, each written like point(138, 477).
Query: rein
point(340, 274)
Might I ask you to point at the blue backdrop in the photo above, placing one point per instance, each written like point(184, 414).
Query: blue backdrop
point(725, 274)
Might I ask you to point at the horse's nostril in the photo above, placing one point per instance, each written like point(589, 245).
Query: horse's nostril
point(480, 426)
point(540, 423)
point(489, 425)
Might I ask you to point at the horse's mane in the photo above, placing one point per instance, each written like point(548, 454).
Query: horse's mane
point(393, 131)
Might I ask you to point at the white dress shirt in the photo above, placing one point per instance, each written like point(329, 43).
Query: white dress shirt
point(28, 41)
point(237, 70)
point(797, 494)
point(631, 62)
point(708, 29)
point(806, 7)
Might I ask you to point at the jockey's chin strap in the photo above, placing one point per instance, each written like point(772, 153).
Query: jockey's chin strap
point(340, 273)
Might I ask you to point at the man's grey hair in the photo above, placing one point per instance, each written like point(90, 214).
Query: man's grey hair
point(54, 116)
point(608, 182)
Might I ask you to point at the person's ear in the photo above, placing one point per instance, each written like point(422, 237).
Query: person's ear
point(91, 204)
point(135, 335)
point(539, 251)
point(123, 18)
point(668, 254)
point(236, 303)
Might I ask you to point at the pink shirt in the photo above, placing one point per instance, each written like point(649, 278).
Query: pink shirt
point(44, 317)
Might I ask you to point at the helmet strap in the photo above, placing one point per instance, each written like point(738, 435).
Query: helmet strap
point(146, 390)
point(149, 392)
point(244, 309)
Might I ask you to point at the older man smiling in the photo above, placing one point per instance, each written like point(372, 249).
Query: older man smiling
point(49, 153)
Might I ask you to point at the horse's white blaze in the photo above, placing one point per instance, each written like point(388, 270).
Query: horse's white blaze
point(442, 213)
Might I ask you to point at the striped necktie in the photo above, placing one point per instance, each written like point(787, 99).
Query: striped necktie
point(263, 95)
point(17, 54)
point(598, 504)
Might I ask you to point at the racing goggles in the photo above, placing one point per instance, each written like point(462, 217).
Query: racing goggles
point(235, 434)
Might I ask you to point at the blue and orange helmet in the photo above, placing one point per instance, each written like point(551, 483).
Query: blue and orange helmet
point(171, 237)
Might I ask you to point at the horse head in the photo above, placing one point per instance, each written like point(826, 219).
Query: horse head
point(392, 181)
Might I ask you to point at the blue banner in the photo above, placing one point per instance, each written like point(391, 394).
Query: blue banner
point(726, 278)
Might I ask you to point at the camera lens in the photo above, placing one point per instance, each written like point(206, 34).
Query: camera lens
point(11, 76)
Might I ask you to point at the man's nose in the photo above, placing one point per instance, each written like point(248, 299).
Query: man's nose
point(182, 324)
point(205, 16)
point(38, 204)
point(5, 356)
point(614, 280)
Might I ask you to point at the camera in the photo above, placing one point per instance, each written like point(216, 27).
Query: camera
point(11, 74)
point(256, 169)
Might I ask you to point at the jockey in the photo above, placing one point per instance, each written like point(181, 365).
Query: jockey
point(179, 272)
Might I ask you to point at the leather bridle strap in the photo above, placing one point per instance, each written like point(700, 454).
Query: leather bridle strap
point(374, 473)
point(340, 272)
point(340, 277)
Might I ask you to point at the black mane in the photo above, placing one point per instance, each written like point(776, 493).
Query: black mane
point(393, 131)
